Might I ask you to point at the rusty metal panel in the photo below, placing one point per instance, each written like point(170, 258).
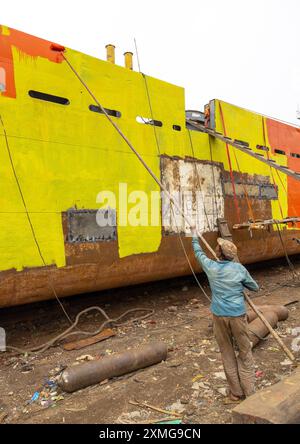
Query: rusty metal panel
point(197, 187)
point(91, 225)
point(257, 187)
point(268, 192)
point(252, 190)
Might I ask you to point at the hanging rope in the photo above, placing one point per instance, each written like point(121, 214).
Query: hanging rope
point(151, 112)
point(236, 204)
point(214, 179)
point(251, 213)
point(271, 169)
point(289, 262)
point(171, 201)
point(187, 257)
point(278, 176)
point(172, 208)
point(29, 219)
point(199, 181)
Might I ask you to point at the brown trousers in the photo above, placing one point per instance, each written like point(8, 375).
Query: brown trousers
point(239, 369)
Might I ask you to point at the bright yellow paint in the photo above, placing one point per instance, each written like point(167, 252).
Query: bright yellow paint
point(5, 30)
point(65, 155)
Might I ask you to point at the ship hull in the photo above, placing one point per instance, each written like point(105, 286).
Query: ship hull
point(64, 169)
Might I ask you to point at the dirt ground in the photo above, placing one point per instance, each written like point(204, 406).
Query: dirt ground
point(190, 382)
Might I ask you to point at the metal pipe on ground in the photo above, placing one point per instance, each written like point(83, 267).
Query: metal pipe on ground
point(258, 330)
point(94, 372)
point(281, 311)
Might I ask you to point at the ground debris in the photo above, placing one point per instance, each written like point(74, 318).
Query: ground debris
point(223, 391)
point(197, 377)
point(192, 352)
point(172, 309)
point(85, 358)
point(220, 375)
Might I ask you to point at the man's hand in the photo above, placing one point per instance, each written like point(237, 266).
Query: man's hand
point(194, 230)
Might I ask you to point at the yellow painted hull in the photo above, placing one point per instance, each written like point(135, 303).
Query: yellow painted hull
point(62, 155)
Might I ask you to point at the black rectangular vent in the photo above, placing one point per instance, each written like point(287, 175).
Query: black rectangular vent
point(48, 97)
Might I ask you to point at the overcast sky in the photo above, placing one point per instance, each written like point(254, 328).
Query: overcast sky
point(246, 52)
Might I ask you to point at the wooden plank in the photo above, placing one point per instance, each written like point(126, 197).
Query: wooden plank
point(82, 343)
point(279, 404)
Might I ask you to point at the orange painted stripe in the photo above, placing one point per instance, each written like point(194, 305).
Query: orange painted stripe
point(32, 46)
point(287, 138)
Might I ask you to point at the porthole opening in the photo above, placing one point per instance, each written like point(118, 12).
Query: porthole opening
point(48, 97)
point(110, 112)
point(280, 152)
point(176, 127)
point(147, 121)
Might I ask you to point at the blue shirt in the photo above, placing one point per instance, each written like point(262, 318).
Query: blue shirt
point(227, 281)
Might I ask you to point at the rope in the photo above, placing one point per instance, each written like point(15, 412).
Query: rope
point(171, 202)
point(271, 169)
point(213, 175)
point(69, 331)
point(199, 182)
point(29, 218)
point(151, 112)
point(289, 262)
point(230, 167)
point(188, 259)
point(278, 176)
point(137, 54)
point(251, 213)
point(179, 233)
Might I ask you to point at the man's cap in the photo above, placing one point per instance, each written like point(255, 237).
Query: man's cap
point(228, 248)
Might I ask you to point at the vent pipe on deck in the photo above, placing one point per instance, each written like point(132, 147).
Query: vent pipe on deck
point(110, 53)
point(128, 60)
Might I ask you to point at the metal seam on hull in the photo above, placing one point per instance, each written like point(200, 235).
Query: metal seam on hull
point(30, 221)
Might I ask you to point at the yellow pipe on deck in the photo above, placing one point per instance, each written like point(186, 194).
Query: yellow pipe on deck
point(110, 53)
point(128, 60)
